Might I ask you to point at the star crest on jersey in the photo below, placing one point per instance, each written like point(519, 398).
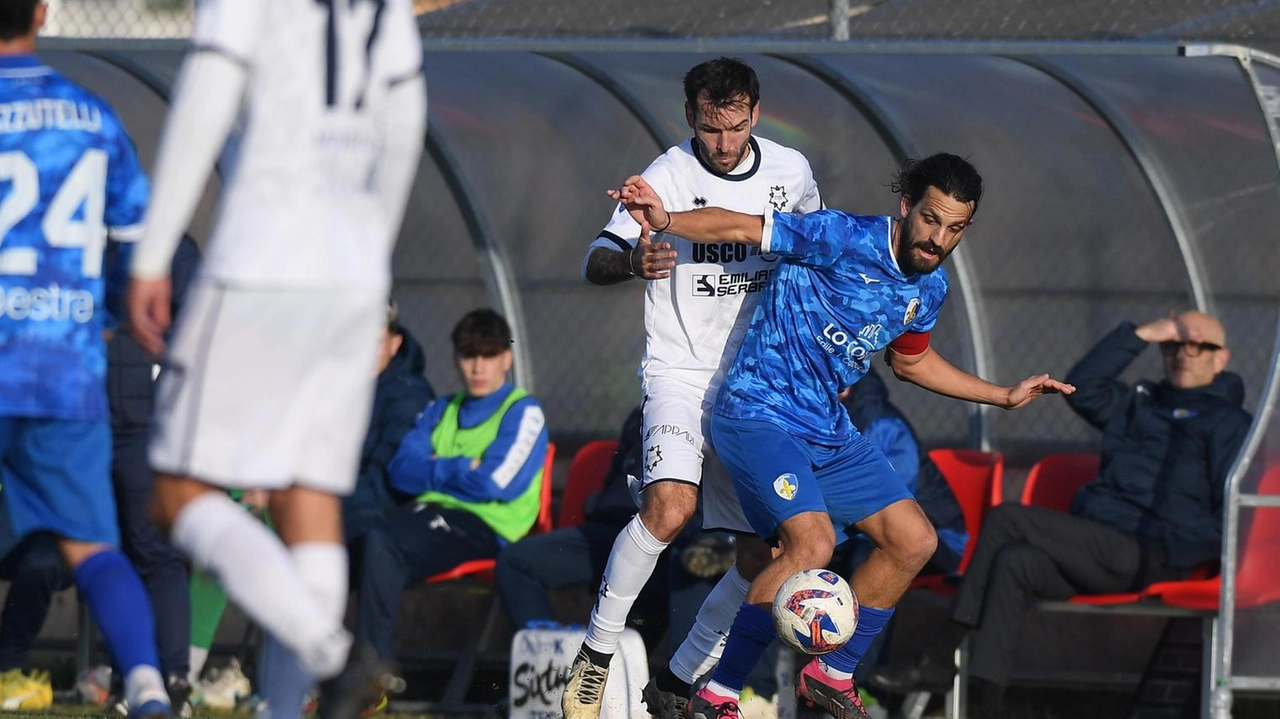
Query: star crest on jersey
point(652, 458)
point(699, 202)
point(912, 308)
point(785, 486)
point(778, 197)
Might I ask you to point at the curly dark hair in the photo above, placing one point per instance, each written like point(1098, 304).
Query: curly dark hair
point(951, 174)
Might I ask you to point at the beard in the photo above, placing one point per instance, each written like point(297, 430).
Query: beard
point(918, 263)
point(723, 164)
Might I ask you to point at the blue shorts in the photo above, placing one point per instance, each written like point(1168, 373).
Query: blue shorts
point(57, 477)
point(778, 476)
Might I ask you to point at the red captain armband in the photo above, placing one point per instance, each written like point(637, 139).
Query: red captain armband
point(910, 343)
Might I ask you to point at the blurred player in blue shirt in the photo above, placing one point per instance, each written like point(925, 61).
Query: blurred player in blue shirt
point(847, 287)
point(68, 176)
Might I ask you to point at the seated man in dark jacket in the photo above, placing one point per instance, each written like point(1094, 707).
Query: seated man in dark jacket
point(1154, 512)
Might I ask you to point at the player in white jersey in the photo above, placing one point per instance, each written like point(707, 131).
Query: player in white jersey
point(270, 375)
point(698, 302)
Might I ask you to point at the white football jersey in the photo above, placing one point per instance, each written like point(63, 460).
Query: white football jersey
point(299, 205)
point(694, 320)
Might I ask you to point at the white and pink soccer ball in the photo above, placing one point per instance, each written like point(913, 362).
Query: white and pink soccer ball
point(815, 611)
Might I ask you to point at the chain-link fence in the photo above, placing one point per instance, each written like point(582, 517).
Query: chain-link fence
point(1253, 22)
point(119, 18)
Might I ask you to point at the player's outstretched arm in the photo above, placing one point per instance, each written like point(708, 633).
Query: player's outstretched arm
point(709, 224)
point(933, 372)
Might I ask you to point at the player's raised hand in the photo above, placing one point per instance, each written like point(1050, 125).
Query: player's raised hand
point(643, 204)
point(1032, 387)
point(148, 305)
point(651, 260)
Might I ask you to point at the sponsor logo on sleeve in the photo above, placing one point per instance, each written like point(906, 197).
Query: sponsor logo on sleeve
point(671, 429)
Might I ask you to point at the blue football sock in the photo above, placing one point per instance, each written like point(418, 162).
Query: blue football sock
point(120, 605)
point(749, 636)
point(870, 622)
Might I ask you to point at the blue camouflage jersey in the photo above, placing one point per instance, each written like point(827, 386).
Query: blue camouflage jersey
point(68, 173)
point(838, 298)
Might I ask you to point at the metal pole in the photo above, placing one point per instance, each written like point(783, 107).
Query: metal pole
point(839, 20)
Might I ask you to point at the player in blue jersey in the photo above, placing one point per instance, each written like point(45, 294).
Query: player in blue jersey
point(68, 177)
point(847, 287)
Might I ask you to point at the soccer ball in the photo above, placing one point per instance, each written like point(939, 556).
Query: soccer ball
point(815, 611)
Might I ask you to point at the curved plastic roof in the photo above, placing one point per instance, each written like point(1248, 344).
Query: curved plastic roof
point(1118, 187)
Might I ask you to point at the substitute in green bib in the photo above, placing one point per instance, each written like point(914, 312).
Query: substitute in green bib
point(474, 462)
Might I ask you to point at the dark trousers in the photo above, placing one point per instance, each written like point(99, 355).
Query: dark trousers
point(157, 562)
point(34, 566)
point(419, 540)
point(1029, 553)
point(530, 568)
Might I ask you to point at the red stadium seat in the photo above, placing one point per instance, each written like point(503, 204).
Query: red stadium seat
point(972, 475)
point(1052, 483)
point(587, 473)
point(1053, 480)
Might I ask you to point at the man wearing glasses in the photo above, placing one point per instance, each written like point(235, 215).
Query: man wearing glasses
point(1154, 513)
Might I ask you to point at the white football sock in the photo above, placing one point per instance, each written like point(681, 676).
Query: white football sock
point(259, 575)
point(197, 656)
point(635, 554)
point(832, 671)
point(144, 684)
point(323, 568)
point(704, 644)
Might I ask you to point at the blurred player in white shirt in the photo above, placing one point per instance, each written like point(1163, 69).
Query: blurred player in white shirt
point(268, 382)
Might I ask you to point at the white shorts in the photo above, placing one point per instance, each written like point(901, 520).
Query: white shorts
point(677, 448)
point(268, 388)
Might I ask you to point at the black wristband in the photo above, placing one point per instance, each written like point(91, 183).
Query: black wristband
point(664, 228)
